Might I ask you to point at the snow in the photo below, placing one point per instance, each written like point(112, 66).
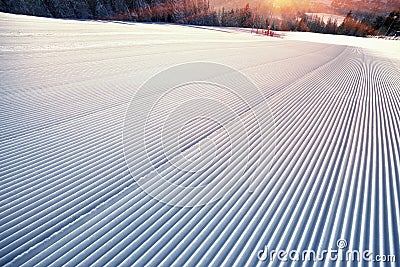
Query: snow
point(68, 196)
point(381, 47)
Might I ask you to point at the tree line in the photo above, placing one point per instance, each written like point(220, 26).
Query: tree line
point(200, 12)
point(355, 25)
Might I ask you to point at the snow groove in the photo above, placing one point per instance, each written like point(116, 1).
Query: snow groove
point(67, 197)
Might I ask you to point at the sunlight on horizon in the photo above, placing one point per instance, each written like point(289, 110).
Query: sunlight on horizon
point(286, 4)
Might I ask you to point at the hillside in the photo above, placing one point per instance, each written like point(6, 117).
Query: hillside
point(79, 8)
point(88, 158)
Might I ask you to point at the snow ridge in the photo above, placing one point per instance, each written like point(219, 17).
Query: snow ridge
point(68, 198)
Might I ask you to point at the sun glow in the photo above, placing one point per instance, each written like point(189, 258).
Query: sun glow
point(284, 4)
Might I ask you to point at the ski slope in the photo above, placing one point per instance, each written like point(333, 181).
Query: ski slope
point(68, 197)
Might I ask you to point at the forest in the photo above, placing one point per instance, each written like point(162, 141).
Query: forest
point(201, 12)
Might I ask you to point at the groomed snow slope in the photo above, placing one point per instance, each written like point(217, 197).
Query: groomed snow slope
point(68, 198)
